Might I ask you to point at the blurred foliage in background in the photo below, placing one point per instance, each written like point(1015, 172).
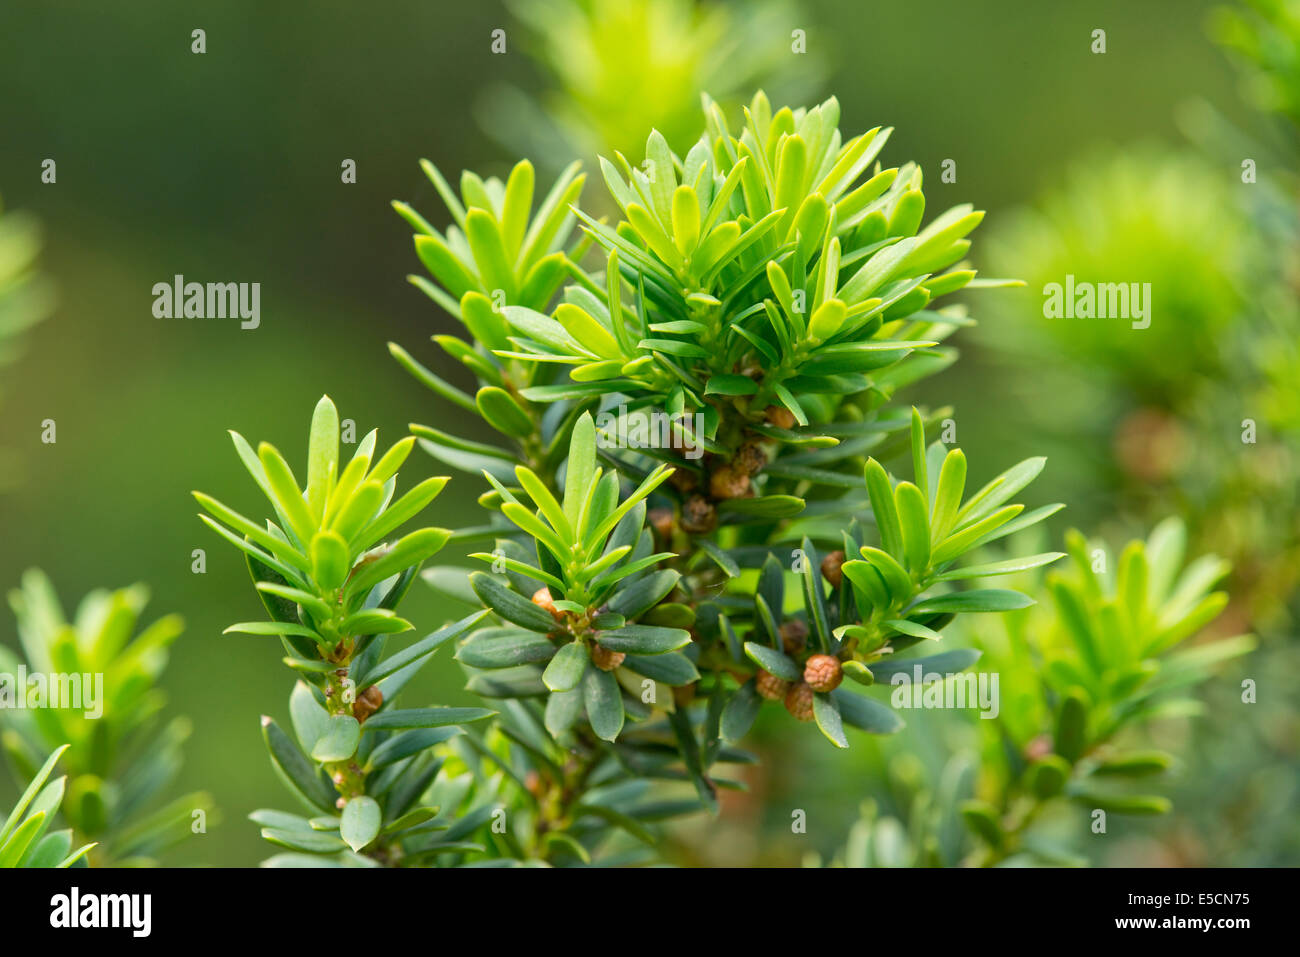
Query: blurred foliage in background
point(25, 299)
point(1196, 413)
point(1265, 35)
point(171, 162)
point(617, 68)
point(120, 756)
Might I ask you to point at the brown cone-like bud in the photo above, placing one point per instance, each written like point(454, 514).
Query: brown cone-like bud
point(661, 520)
point(698, 515)
point(799, 701)
point(367, 703)
point(604, 659)
point(823, 673)
point(750, 458)
point(542, 599)
point(771, 687)
point(831, 568)
point(684, 480)
point(794, 635)
point(780, 416)
point(728, 482)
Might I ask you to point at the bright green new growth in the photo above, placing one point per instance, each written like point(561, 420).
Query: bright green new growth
point(331, 583)
point(595, 578)
point(583, 552)
point(754, 269)
point(25, 837)
point(766, 280)
point(326, 551)
point(118, 760)
point(499, 250)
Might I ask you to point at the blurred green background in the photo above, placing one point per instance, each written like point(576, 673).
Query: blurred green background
point(226, 167)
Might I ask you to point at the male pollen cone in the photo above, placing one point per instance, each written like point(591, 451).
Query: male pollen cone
point(367, 703)
point(698, 515)
point(799, 701)
point(750, 458)
point(823, 673)
point(794, 635)
point(771, 687)
point(729, 482)
point(604, 659)
point(542, 599)
point(832, 568)
point(779, 416)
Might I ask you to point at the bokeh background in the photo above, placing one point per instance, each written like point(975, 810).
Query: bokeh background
point(226, 166)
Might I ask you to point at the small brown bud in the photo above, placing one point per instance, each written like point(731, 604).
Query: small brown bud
point(683, 695)
point(728, 482)
point(780, 416)
point(604, 659)
point(799, 701)
point(661, 520)
point(794, 635)
point(698, 515)
point(750, 458)
point(831, 568)
point(823, 673)
point(771, 687)
point(684, 480)
point(367, 703)
point(542, 599)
